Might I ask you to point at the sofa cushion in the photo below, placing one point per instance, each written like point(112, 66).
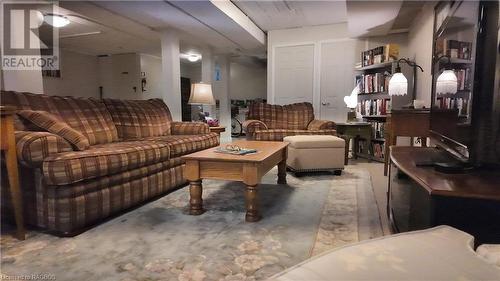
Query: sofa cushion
point(293, 116)
point(185, 144)
point(102, 160)
point(314, 141)
point(90, 117)
point(136, 119)
point(46, 121)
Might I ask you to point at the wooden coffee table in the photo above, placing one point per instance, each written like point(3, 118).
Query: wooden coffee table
point(249, 169)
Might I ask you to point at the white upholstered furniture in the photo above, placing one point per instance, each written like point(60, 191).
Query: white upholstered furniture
point(315, 153)
point(440, 253)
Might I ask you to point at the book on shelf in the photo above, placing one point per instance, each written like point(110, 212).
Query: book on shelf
point(380, 54)
point(461, 104)
point(378, 150)
point(374, 83)
point(378, 130)
point(374, 107)
point(463, 78)
point(453, 48)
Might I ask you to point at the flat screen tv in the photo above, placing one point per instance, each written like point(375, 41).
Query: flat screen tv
point(466, 123)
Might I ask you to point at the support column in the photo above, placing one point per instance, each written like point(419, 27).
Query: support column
point(207, 66)
point(171, 72)
point(221, 93)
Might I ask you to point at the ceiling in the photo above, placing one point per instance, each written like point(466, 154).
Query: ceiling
point(112, 27)
point(271, 15)
point(135, 26)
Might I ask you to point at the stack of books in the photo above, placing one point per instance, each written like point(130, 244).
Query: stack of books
point(454, 48)
point(380, 54)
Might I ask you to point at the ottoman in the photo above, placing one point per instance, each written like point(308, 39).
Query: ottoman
point(315, 153)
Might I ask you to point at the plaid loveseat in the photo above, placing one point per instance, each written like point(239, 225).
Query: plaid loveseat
point(83, 160)
point(266, 122)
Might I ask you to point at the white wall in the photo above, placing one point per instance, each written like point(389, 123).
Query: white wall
point(247, 81)
point(151, 66)
point(119, 74)
point(79, 76)
point(420, 49)
point(318, 35)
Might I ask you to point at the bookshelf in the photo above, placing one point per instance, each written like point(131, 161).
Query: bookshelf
point(375, 103)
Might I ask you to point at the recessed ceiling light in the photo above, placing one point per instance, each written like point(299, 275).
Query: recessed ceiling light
point(56, 20)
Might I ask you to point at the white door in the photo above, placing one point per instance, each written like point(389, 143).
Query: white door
point(293, 74)
point(337, 78)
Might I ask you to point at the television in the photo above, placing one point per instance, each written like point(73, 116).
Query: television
point(466, 123)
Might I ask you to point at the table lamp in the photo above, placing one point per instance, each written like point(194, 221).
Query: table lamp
point(201, 94)
point(351, 102)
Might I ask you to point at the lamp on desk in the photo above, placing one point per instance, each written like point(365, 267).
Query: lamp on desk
point(398, 85)
point(201, 94)
point(351, 102)
point(447, 82)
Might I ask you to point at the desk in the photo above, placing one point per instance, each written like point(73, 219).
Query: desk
point(8, 146)
point(420, 197)
point(354, 131)
point(405, 123)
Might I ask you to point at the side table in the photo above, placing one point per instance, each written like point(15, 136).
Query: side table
point(354, 131)
point(8, 146)
point(218, 129)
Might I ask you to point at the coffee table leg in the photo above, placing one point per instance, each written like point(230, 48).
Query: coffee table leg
point(252, 204)
point(195, 202)
point(282, 172)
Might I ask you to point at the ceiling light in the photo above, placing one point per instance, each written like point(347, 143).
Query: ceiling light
point(56, 20)
point(193, 58)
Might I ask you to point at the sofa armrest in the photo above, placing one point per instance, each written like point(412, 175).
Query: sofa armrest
point(315, 125)
point(250, 126)
point(490, 252)
point(33, 147)
point(189, 128)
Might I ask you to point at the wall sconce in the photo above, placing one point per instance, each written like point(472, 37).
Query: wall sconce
point(398, 85)
point(447, 82)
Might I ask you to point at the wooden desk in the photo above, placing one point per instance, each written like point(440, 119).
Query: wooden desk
point(354, 131)
point(405, 123)
point(420, 197)
point(8, 146)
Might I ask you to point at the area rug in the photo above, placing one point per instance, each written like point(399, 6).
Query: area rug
point(159, 241)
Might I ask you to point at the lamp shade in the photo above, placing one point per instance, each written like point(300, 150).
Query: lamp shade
point(201, 93)
point(398, 85)
point(447, 83)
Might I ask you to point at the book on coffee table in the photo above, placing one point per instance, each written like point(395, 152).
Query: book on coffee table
point(242, 151)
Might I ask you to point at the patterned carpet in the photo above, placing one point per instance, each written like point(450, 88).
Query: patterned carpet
point(159, 241)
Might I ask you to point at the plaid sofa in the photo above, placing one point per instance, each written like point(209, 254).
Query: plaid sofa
point(83, 160)
point(266, 122)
